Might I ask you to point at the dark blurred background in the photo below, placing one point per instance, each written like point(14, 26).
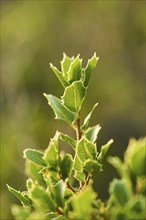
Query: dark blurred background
point(36, 33)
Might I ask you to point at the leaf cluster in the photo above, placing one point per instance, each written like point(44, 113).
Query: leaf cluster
point(59, 186)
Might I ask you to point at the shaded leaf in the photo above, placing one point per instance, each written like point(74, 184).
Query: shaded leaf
point(120, 190)
point(92, 132)
point(91, 64)
point(35, 156)
point(61, 112)
point(66, 166)
point(74, 95)
point(88, 118)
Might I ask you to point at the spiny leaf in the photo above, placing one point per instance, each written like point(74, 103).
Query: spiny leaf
point(65, 65)
point(88, 118)
point(80, 176)
point(90, 65)
point(104, 150)
point(92, 132)
point(86, 149)
point(68, 140)
point(75, 70)
point(74, 95)
point(51, 155)
point(23, 198)
point(59, 76)
point(61, 112)
point(77, 163)
point(35, 156)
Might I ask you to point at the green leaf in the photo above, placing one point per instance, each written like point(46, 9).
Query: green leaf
point(60, 217)
point(135, 156)
point(42, 199)
point(33, 170)
point(58, 192)
point(20, 212)
point(21, 196)
point(74, 95)
point(80, 176)
point(51, 155)
point(120, 190)
point(92, 132)
point(66, 166)
point(61, 112)
point(65, 65)
point(35, 156)
point(77, 163)
point(86, 149)
point(68, 140)
point(91, 64)
point(92, 166)
point(75, 70)
point(88, 118)
point(104, 150)
point(59, 76)
point(82, 204)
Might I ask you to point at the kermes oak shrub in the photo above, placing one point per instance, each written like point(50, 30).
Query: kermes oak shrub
point(60, 184)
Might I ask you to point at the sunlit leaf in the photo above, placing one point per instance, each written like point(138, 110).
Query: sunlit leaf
point(21, 196)
point(51, 155)
point(104, 150)
point(88, 118)
point(82, 204)
point(75, 70)
point(74, 95)
point(68, 140)
point(42, 199)
point(86, 149)
point(92, 132)
point(88, 70)
point(59, 75)
point(65, 65)
point(80, 176)
point(92, 166)
point(35, 156)
point(61, 112)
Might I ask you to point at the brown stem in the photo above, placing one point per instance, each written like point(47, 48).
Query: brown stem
point(78, 131)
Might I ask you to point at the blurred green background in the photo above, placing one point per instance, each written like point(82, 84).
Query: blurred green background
point(36, 33)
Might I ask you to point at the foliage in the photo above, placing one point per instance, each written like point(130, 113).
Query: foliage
point(60, 185)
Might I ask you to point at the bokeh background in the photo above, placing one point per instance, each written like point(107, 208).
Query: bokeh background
point(36, 33)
